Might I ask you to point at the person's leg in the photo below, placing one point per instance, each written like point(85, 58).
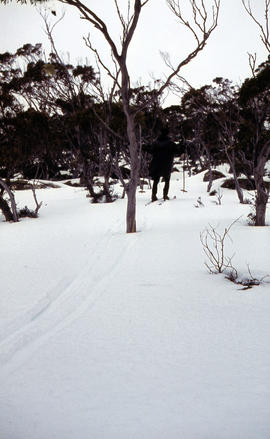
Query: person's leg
point(154, 189)
point(166, 187)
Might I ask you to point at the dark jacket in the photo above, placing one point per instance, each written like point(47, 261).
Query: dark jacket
point(163, 151)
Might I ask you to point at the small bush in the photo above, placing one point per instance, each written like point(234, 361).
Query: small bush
point(22, 185)
point(74, 184)
point(27, 213)
point(246, 282)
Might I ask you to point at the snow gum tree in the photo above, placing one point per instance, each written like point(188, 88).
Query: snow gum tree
point(200, 23)
point(218, 114)
point(254, 133)
point(254, 96)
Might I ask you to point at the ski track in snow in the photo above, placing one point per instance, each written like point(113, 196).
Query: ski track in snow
point(50, 315)
point(134, 339)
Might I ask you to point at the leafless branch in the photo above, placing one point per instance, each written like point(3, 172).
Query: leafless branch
point(121, 18)
point(167, 60)
point(89, 15)
point(200, 28)
point(114, 76)
point(246, 282)
point(213, 244)
point(252, 59)
point(264, 27)
point(49, 28)
point(38, 205)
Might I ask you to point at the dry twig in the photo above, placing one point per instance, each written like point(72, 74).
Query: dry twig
point(213, 244)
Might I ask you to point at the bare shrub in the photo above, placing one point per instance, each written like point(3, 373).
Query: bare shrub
point(199, 203)
point(25, 212)
point(247, 282)
point(219, 195)
point(213, 244)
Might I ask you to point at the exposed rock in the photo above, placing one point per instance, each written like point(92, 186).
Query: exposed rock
point(216, 174)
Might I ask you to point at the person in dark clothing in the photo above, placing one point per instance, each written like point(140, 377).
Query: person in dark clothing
point(163, 151)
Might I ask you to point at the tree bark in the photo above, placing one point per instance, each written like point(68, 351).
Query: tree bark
point(262, 193)
point(12, 214)
point(238, 188)
point(261, 204)
point(4, 207)
point(134, 175)
point(209, 166)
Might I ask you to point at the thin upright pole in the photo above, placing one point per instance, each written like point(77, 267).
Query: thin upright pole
point(184, 176)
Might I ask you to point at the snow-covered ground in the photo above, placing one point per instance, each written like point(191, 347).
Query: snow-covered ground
point(108, 335)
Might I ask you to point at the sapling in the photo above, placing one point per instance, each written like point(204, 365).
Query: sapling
point(219, 195)
point(199, 203)
point(213, 244)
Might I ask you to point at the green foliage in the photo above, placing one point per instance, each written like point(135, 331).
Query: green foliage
point(257, 85)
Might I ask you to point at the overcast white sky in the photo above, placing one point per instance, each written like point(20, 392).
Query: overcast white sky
point(225, 54)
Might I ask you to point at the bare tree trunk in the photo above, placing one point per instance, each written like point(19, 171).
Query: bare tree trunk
point(131, 207)
point(209, 186)
point(119, 174)
point(237, 186)
point(209, 165)
point(38, 205)
point(106, 188)
point(5, 205)
point(261, 204)
point(134, 175)
point(236, 181)
point(262, 194)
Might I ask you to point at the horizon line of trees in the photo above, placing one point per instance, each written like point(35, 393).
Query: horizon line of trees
point(199, 20)
point(236, 125)
point(53, 121)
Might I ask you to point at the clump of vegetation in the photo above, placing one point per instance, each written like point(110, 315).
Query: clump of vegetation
point(26, 212)
point(248, 281)
point(213, 244)
point(22, 185)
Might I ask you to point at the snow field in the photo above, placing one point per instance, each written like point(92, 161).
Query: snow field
point(106, 335)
